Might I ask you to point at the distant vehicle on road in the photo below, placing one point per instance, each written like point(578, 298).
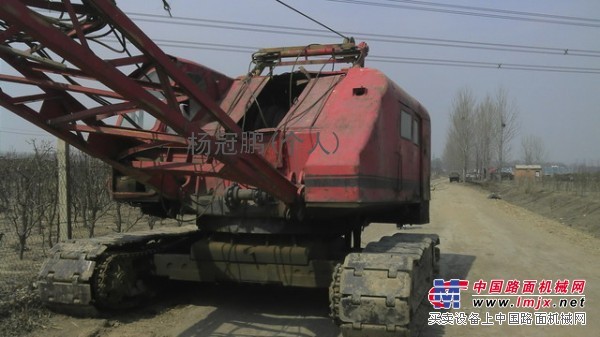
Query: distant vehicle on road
point(454, 176)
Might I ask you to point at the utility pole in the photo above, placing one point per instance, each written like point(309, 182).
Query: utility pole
point(64, 194)
point(501, 149)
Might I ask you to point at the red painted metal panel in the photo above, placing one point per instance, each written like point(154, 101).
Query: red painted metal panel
point(373, 163)
point(240, 96)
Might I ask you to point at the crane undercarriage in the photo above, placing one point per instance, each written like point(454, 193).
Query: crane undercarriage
point(373, 290)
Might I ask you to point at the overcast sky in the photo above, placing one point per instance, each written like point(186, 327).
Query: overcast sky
point(561, 108)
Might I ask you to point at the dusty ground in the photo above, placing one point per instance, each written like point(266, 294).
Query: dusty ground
point(20, 308)
point(481, 239)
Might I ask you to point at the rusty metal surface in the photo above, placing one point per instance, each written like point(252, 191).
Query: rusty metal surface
point(347, 52)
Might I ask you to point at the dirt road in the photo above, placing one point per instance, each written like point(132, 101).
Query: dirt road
point(481, 239)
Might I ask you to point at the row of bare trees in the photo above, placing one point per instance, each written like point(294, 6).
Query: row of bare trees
point(29, 203)
point(480, 133)
point(90, 199)
point(28, 191)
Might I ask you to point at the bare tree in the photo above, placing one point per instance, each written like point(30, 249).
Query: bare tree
point(127, 217)
point(90, 196)
point(451, 157)
point(459, 142)
point(130, 216)
point(32, 187)
point(533, 149)
point(6, 167)
point(50, 215)
point(506, 124)
point(484, 134)
point(436, 165)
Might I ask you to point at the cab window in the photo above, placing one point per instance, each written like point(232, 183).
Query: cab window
point(406, 125)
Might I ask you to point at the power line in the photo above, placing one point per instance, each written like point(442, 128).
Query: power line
point(388, 38)
point(311, 19)
point(388, 59)
point(497, 10)
point(197, 45)
point(483, 12)
point(487, 65)
point(204, 45)
point(25, 133)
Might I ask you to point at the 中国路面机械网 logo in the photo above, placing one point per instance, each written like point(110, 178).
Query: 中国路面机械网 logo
point(446, 294)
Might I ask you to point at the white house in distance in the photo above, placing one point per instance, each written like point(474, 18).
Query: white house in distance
point(532, 172)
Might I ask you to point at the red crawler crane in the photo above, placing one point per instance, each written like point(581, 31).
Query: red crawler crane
point(282, 170)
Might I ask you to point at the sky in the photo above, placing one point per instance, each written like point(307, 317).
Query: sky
point(561, 108)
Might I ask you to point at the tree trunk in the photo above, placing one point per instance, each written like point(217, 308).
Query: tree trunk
point(119, 218)
point(22, 243)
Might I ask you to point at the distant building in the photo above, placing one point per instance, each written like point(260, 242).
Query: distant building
point(555, 169)
point(533, 172)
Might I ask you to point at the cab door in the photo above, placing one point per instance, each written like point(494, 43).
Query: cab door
point(409, 155)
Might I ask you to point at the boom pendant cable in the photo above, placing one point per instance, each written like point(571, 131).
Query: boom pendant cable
point(313, 20)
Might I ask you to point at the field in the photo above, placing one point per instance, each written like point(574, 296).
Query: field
point(20, 309)
point(572, 200)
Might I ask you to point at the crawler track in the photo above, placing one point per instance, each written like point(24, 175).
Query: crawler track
point(108, 272)
point(377, 291)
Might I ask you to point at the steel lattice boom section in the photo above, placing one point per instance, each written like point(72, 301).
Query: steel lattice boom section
point(79, 98)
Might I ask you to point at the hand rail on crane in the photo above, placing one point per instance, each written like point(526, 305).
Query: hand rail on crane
point(346, 52)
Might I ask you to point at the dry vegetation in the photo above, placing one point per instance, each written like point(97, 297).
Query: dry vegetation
point(29, 225)
point(572, 199)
